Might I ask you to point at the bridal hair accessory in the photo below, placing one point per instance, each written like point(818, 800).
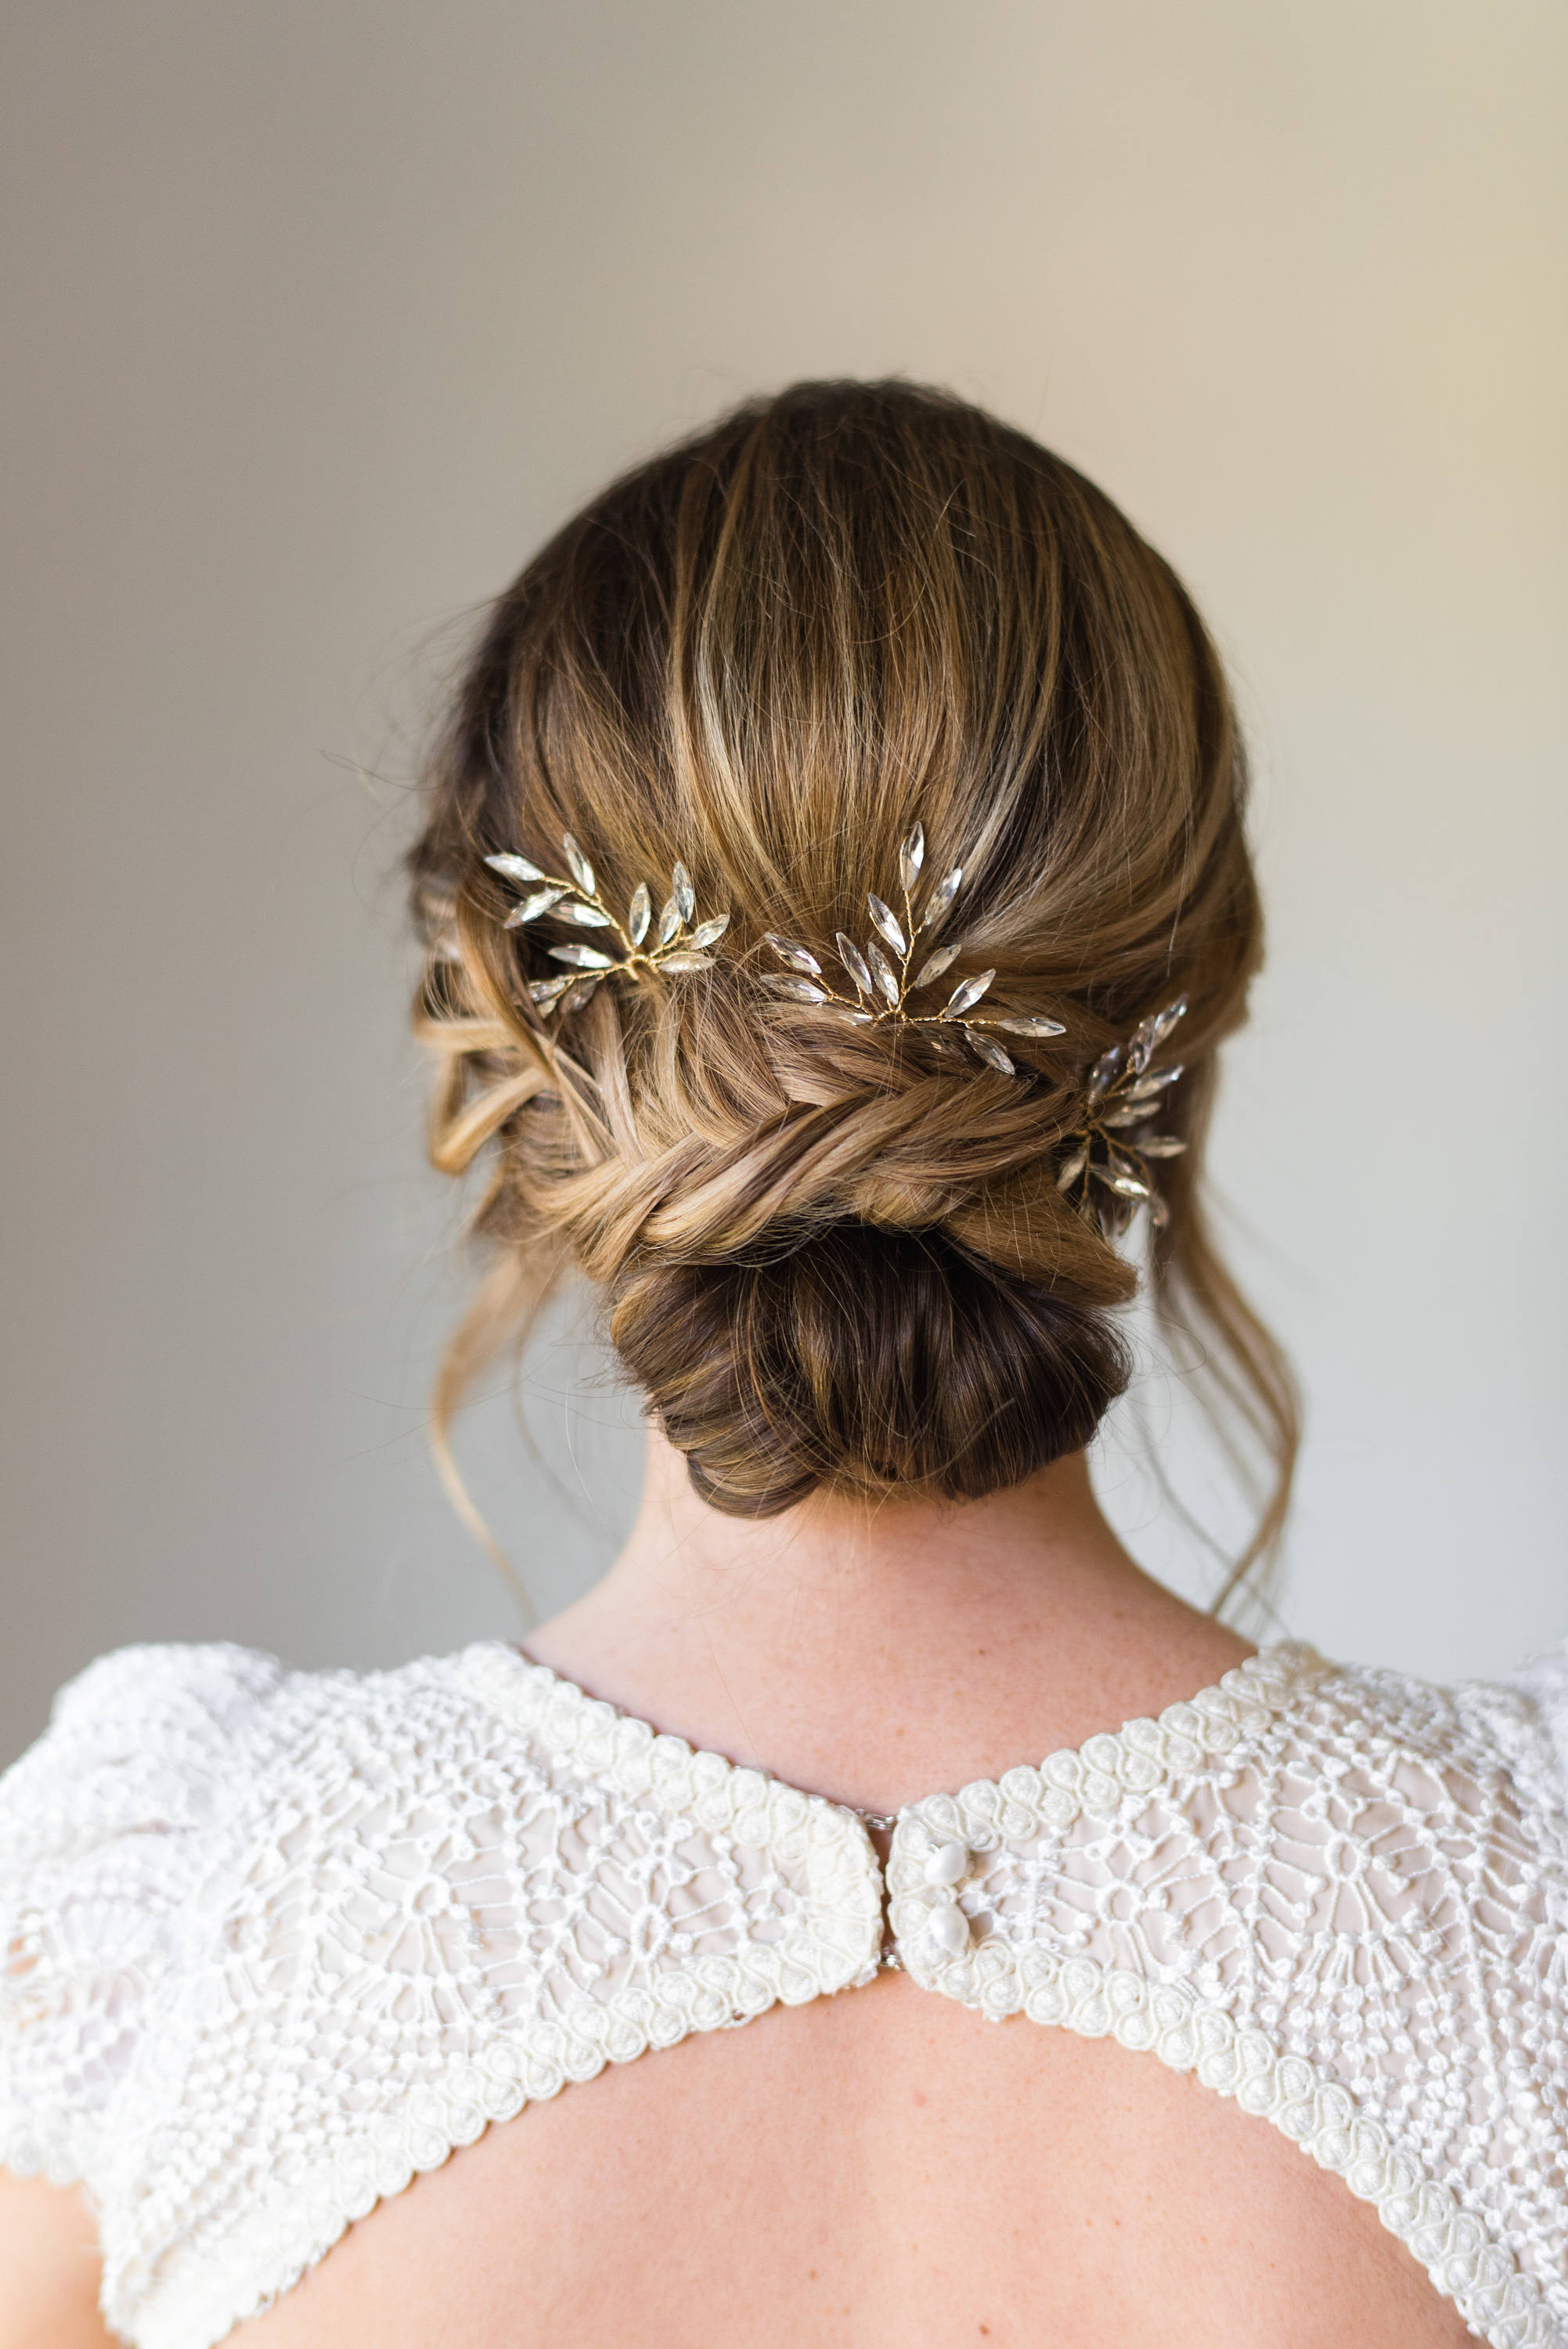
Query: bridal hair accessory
point(881, 991)
point(1109, 1154)
point(1109, 1161)
point(680, 942)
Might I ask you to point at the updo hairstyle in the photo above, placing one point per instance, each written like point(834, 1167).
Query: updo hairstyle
point(831, 1256)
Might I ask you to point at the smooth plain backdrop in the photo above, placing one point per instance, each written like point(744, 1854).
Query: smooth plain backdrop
point(318, 318)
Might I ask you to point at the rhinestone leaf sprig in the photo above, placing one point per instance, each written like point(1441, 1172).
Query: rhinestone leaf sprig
point(680, 942)
point(886, 972)
point(1109, 1161)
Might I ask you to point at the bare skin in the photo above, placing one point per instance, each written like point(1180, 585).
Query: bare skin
point(884, 2165)
point(49, 2268)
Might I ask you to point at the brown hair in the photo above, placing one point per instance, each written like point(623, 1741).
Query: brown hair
point(829, 1256)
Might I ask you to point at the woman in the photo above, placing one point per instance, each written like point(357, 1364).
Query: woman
point(835, 894)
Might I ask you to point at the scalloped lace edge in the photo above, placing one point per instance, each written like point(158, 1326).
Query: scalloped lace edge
point(1466, 2261)
point(639, 1760)
point(22, 2154)
point(277, 2246)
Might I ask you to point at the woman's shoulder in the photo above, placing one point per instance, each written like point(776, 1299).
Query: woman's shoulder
point(141, 1750)
point(279, 1941)
point(149, 1738)
point(171, 1700)
point(1541, 1689)
point(189, 1719)
point(1512, 1729)
point(153, 1749)
point(176, 1735)
point(1525, 1719)
point(170, 1777)
point(103, 1825)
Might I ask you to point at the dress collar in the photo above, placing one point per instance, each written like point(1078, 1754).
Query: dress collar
point(1094, 1777)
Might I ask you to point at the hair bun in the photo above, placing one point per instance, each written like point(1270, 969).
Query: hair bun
point(864, 1360)
point(825, 1298)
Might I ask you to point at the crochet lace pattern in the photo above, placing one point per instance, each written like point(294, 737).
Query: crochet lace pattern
point(272, 1942)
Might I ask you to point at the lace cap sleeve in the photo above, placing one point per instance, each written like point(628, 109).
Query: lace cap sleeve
point(1546, 1683)
point(106, 1825)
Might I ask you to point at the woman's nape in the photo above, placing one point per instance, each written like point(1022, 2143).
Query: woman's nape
point(875, 1651)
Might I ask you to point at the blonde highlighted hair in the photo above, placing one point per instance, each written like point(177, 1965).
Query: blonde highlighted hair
point(829, 1256)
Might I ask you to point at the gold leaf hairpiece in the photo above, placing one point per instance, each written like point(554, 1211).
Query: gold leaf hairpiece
point(1109, 1161)
point(680, 941)
point(881, 991)
point(1109, 1153)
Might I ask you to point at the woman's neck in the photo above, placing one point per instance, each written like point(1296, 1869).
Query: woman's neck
point(875, 1651)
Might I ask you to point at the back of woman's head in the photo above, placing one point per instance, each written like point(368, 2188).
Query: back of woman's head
point(836, 1255)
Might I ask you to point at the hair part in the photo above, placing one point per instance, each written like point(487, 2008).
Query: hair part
point(829, 1257)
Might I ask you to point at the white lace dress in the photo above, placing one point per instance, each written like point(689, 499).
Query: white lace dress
point(271, 1942)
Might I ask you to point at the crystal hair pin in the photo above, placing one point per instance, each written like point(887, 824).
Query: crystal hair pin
point(680, 941)
point(1109, 1153)
point(881, 991)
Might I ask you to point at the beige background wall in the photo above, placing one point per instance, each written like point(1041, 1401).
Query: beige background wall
point(318, 316)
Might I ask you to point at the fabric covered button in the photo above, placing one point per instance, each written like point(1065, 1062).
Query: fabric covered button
point(948, 1863)
point(950, 1928)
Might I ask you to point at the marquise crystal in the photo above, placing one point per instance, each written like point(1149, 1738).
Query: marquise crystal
point(884, 919)
point(932, 968)
point(532, 908)
point(882, 972)
point(577, 864)
point(967, 992)
point(799, 957)
point(941, 896)
point(995, 1055)
point(853, 960)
